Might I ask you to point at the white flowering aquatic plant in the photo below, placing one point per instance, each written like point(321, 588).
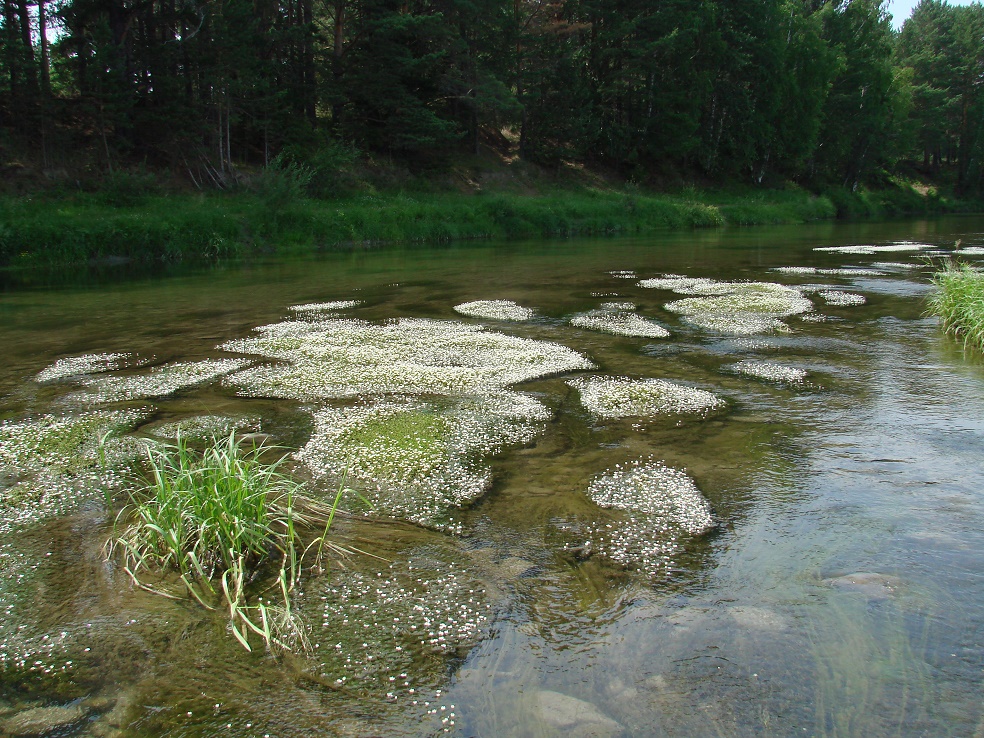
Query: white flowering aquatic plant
point(339, 358)
point(769, 371)
point(74, 366)
point(840, 299)
point(495, 310)
point(741, 308)
point(416, 459)
point(325, 307)
point(620, 397)
point(662, 504)
point(864, 250)
point(56, 462)
point(161, 381)
point(620, 323)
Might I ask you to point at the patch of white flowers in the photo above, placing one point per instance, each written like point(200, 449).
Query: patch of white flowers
point(74, 366)
point(325, 307)
point(662, 504)
point(336, 358)
point(159, 382)
point(900, 247)
point(495, 310)
point(620, 397)
point(417, 459)
point(618, 306)
point(840, 272)
point(970, 251)
point(619, 323)
point(740, 308)
point(769, 371)
point(839, 298)
point(50, 463)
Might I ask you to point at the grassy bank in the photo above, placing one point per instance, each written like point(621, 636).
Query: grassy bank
point(77, 229)
point(959, 302)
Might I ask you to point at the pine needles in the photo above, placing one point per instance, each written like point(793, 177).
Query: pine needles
point(959, 302)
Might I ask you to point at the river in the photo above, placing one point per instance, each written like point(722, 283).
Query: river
point(837, 592)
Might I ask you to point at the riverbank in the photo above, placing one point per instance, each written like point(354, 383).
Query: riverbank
point(82, 228)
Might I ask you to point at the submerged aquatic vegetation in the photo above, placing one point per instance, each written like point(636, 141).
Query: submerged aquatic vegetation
point(394, 630)
point(159, 382)
point(662, 503)
point(741, 308)
point(495, 310)
point(959, 302)
point(769, 371)
point(51, 463)
point(839, 298)
point(619, 397)
point(73, 366)
point(619, 322)
point(416, 459)
point(215, 519)
point(338, 358)
point(204, 427)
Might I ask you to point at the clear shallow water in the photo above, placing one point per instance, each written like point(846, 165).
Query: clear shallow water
point(840, 594)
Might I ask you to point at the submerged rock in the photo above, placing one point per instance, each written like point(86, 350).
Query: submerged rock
point(873, 585)
point(576, 718)
point(42, 720)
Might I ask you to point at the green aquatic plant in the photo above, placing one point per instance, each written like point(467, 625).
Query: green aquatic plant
point(959, 302)
point(495, 310)
point(218, 520)
point(415, 459)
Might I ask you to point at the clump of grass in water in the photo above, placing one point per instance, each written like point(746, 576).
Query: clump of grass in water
point(217, 520)
point(959, 302)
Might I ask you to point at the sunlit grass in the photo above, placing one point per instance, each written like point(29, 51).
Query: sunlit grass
point(218, 520)
point(959, 302)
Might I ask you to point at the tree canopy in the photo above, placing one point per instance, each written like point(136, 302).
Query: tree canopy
point(824, 93)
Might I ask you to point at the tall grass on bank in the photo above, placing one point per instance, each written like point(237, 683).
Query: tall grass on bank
point(959, 302)
point(219, 521)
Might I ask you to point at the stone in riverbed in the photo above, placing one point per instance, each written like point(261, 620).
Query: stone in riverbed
point(871, 584)
point(577, 718)
point(42, 720)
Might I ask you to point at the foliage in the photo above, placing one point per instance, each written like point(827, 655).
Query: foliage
point(218, 521)
point(959, 302)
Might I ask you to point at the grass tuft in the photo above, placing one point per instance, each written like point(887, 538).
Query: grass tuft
point(959, 302)
point(220, 520)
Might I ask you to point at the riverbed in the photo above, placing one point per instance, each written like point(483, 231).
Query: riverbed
point(529, 580)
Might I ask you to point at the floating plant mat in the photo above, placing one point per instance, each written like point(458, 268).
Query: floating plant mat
point(735, 308)
point(325, 307)
point(344, 358)
point(663, 505)
point(863, 249)
point(74, 366)
point(49, 464)
point(617, 319)
point(769, 371)
point(159, 382)
point(495, 310)
point(620, 397)
point(417, 459)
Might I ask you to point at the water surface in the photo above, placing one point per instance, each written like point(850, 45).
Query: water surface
point(840, 593)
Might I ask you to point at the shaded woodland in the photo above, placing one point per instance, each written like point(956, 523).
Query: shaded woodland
point(825, 94)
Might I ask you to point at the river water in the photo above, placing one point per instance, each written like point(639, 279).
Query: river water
point(839, 593)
